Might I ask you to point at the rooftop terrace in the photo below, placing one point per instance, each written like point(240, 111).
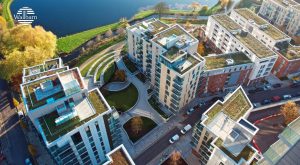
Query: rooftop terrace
point(74, 114)
point(119, 158)
point(220, 60)
point(269, 29)
point(291, 53)
point(259, 49)
point(47, 65)
point(226, 22)
point(235, 106)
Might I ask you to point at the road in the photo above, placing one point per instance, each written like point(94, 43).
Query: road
point(163, 142)
point(12, 139)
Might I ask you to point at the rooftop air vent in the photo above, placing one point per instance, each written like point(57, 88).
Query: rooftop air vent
point(285, 2)
point(229, 61)
point(251, 21)
point(292, 52)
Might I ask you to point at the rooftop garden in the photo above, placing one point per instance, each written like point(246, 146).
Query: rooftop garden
point(246, 153)
point(119, 158)
point(234, 107)
point(172, 53)
point(219, 61)
point(251, 43)
point(193, 62)
point(275, 33)
point(226, 22)
point(291, 53)
point(249, 15)
point(97, 102)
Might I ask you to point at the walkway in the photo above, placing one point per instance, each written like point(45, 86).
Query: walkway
point(117, 86)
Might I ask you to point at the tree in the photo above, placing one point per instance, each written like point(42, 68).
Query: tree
point(290, 111)
point(195, 6)
point(3, 24)
point(136, 125)
point(188, 24)
point(124, 22)
point(201, 48)
point(98, 37)
point(32, 150)
point(175, 158)
point(24, 46)
point(120, 30)
point(161, 8)
point(108, 33)
point(16, 102)
point(224, 3)
point(120, 75)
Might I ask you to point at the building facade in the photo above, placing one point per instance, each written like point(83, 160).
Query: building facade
point(223, 135)
point(77, 125)
point(285, 14)
point(168, 57)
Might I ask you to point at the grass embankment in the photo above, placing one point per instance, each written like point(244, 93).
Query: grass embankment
point(6, 13)
point(71, 42)
point(109, 72)
point(103, 65)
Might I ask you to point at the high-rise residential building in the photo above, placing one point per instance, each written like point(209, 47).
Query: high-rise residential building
point(285, 14)
point(230, 37)
point(77, 125)
point(119, 156)
point(285, 150)
point(262, 30)
point(224, 135)
point(224, 72)
point(168, 56)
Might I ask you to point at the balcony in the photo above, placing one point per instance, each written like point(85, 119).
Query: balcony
point(175, 102)
point(149, 61)
point(178, 81)
point(177, 87)
point(174, 106)
point(175, 97)
point(149, 56)
point(176, 92)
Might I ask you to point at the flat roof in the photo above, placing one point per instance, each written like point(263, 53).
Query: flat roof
point(220, 60)
point(291, 52)
point(269, 29)
point(258, 48)
point(286, 3)
point(226, 22)
point(234, 106)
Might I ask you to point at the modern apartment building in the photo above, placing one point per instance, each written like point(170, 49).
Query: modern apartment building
point(223, 135)
point(168, 56)
point(285, 150)
point(224, 72)
point(285, 14)
point(77, 125)
point(288, 61)
point(119, 156)
point(229, 37)
point(262, 30)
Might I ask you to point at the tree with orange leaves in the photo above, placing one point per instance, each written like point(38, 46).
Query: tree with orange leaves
point(290, 111)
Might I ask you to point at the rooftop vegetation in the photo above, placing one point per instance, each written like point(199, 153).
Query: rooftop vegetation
point(119, 158)
point(97, 102)
point(226, 22)
point(291, 53)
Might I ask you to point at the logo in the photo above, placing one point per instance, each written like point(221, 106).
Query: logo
point(25, 15)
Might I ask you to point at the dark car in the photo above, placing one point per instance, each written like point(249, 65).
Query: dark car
point(251, 91)
point(296, 94)
point(276, 98)
point(259, 89)
point(213, 100)
point(295, 85)
point(276, 85)
point(266, 101)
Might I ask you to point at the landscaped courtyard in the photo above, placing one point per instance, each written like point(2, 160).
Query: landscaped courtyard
point(122, 100)
point(146, 125)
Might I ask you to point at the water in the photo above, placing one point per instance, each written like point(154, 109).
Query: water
point(64, 17)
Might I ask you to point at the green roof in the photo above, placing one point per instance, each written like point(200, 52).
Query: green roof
point(246, 153)
point(172, 53)
point(234, 107)
point(159, 26)
point(259, 49)
point(219, 61)
point(226, 22)
point(249, 15)
point(291, 53)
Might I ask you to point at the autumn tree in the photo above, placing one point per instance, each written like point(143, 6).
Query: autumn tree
point(2, 24)
point(32, 150)
point(124, 22)
point(108, 33)
point(188, 24)
point(136, 125)
point(195, 6)
point(120, 30)
point(175, 158)
point(290, 111)
point(224, 3)
point(161, 8)
point(16, 102)
point(24, 46)
point(201, 48)
point(120, 75)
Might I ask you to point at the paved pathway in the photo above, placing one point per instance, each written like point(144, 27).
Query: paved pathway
point(117, 86)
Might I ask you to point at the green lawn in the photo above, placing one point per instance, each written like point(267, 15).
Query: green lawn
point(68, 43)
point(143, 14)
point(212, 10)
point(109, 72)
point(7, 13)
point(147, 126)
point(155, 106)
point(104, 64)
point(122, 100)
point(129, 65)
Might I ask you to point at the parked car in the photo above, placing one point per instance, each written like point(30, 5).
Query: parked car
point(267, 87)
point(186, 129)
point(266, 101)
point(255, 105)
point(276, 98)
point(295, 85)
point(201, 104)
point(251, 91)
point(286, 97)
point(276, 85)
point(174, 139)
point(259, 89)
point(190, 111)
point(296, 94)
point(28, 161)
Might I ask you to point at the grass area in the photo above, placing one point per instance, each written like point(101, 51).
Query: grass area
point(6, 13)
point(80, 60)
point(109, 72)
point(155, 106)
point(124, 99)
point(141, 77)
point(69, 43)
point(212, 10)
point(100, 70)
point(147, 126)
point(129, 65)
point(97, 102)
point(142, 14)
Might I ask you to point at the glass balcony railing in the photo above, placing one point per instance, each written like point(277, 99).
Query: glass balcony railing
point(176, 92)
point(177, 87)
point(175, 97)
point(175, 102)
point(178, 81)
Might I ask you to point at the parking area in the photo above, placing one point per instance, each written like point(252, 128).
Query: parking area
point(269, 130)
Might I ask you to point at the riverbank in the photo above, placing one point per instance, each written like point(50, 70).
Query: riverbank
point(6, 13)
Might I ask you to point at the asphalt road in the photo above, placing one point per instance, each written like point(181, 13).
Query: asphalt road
point(163, 142)
point(12, 138)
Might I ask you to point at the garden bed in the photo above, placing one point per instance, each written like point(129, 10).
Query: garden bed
point(147, 126)
point(109, 72)
point(129, 65)
point(155, 106)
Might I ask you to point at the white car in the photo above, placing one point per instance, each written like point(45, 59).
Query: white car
point(186, 129)
point(174, 139)
point(190, 111)
point(286, 97)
